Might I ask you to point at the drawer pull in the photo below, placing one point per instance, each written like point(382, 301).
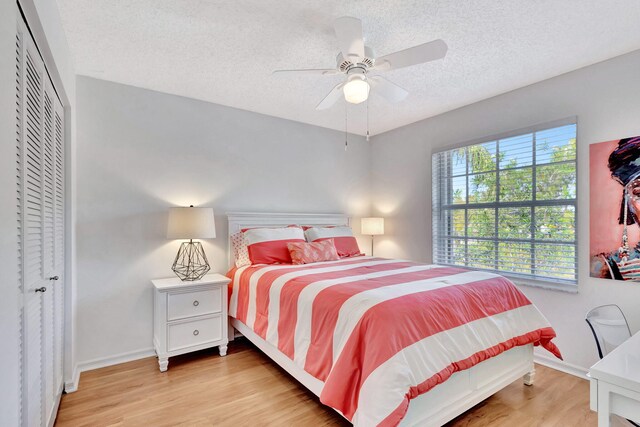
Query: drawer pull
point(196, 332)
point(196, 303)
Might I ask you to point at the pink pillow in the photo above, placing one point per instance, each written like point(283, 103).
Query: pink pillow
point(269, 245)
point(344, 241)
point(306, 253)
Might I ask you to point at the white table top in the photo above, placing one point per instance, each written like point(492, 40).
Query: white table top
point(176, 283)
point(621, 366)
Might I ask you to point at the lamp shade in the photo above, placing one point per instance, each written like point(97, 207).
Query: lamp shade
point(191, 223)
point(372, 226)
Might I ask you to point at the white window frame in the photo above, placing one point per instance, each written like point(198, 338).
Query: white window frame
point(438, 208)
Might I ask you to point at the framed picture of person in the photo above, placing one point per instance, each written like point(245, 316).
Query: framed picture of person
point(614, 175)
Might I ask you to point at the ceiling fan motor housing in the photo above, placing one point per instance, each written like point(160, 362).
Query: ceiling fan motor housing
point(356, 73)
point(345, 65)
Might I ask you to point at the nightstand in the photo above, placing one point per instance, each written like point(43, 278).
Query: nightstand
point(189, 316)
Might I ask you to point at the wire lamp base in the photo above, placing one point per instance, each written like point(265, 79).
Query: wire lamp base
point(191, 262)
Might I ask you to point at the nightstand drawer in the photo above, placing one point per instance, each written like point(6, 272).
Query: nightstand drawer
point(189, 334)
point(191, 304)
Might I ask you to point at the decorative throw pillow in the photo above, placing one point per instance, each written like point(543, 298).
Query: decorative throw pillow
point(306, 253)
point(342, 236)
point(240, 251)
point(269, 245)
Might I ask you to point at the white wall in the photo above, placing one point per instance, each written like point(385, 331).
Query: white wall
point(42, 16)
point(606, 99)
point(140, 152)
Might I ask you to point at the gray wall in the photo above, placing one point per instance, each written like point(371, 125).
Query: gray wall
point(606, 99)
point(140, 152)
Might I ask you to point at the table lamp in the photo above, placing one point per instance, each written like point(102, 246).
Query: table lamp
point(372, 227)
point(191, 223)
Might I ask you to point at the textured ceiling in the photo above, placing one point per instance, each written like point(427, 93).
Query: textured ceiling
point(224, 51)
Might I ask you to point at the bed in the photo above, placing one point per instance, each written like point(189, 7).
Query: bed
point(333, 327)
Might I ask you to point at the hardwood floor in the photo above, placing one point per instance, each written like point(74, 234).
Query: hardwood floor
point(247, 389)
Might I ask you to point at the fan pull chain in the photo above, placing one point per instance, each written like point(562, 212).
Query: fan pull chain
point(367, 119)
point(346, 142)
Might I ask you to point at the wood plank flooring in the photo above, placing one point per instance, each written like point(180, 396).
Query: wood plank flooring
point(247, 389)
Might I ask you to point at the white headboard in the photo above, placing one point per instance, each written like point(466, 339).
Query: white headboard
point(240, 220)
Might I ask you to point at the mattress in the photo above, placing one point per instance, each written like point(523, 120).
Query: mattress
point(379, 332)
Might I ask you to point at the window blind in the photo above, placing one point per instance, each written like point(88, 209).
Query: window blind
point(509, 205)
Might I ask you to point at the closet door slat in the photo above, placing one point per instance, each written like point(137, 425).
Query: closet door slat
point(33, 169)
point(20, 196)
point(48, 184)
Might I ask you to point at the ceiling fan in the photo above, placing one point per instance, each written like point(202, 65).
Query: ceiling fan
point(356, 60)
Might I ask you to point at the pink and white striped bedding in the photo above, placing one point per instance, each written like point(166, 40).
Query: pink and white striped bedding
point(380, 332)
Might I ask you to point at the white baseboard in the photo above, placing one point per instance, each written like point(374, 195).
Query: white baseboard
point(72, 385)
point(561, 365)
point(103, 362)
point(116, 359)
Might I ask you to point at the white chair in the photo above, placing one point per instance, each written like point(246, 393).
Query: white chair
point(610, 329)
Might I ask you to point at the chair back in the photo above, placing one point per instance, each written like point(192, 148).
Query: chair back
point(609, 327)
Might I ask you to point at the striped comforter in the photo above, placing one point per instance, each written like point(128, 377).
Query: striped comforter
point(379, 332)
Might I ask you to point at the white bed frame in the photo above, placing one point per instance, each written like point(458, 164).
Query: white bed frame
point(443, 403)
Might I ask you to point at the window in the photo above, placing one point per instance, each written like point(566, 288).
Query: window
point(508, 205)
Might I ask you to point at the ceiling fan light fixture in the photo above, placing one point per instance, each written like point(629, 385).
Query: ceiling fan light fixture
point(355, 60)
point(356, 90)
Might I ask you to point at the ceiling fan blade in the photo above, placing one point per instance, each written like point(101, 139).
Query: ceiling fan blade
point(422, 53)
point(349, 34)
point(331, 98)
point(387, 89)
point(324, 71)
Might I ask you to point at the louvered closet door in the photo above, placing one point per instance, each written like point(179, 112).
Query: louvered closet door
point(58, 247)
point(53, 248)
point(40, 197)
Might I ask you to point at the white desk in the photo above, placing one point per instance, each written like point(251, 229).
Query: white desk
point(615, 383)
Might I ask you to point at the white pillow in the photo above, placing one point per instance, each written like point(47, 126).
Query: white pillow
point(314, 233)
point(342, 236)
